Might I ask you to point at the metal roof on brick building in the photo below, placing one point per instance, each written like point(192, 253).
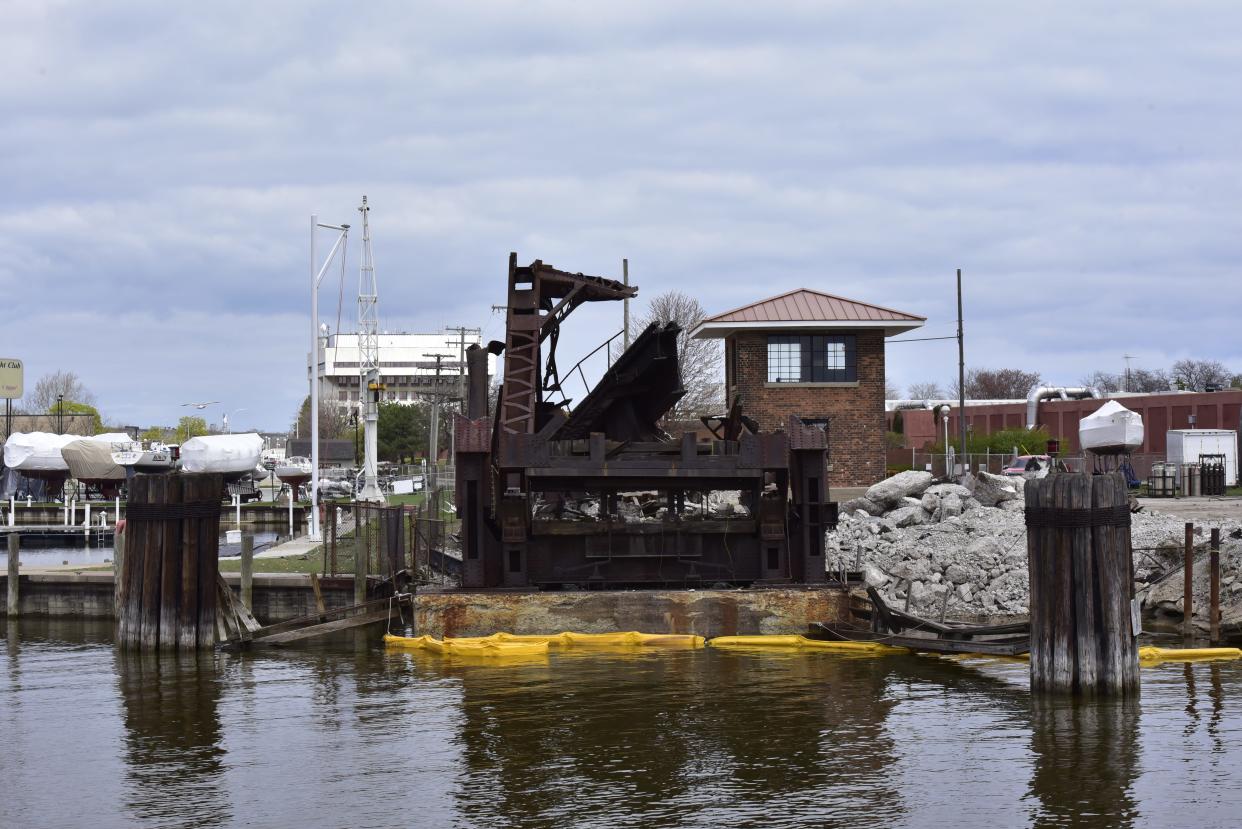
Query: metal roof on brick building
point(808, 310)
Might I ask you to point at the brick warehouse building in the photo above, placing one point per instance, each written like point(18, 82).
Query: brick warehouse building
point(819, 357)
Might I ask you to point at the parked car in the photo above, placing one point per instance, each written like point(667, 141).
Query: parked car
point(1029, 466)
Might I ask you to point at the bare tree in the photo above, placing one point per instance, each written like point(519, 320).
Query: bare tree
point(1104, 381)
point(701, 362)
point(892, 391)
point(49, 387)
point(333, 423)
point(926, 391)
point(1196, 375)
point(997, 384)
point(1140, 380)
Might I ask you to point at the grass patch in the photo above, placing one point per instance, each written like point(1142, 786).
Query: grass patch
point(290, 564)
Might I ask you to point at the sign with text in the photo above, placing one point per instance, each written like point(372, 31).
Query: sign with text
point(11, 373)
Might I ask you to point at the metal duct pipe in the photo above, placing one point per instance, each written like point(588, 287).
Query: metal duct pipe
point(910, 404)
point(1039, 393)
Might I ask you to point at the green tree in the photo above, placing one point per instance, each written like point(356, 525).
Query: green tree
point(156, 433)
point(403, 430)
point(71, 407)
point(190, 427)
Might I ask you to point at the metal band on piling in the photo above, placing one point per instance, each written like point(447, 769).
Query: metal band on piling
point(1061, 517)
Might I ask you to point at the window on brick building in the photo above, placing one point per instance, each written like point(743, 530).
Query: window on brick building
point(812, 358)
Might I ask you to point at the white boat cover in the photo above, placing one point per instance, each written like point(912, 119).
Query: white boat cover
point(36, 451)
point(1111, 427)
point(229, 454)
point(90, 459)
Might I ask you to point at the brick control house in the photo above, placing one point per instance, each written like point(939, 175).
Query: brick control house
point(819, 357)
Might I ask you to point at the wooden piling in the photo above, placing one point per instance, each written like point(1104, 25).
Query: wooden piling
point(247, 571)
point(1078, 548)
point(1214, 587)
point(1188, 574)
point(13, 606)
point(118, 568)
point(168, 571)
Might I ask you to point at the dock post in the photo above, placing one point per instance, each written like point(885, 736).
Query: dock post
point(247, 571)
point(361, 550)
point(1214, 588)
point(118, 568)
point(13, 511)
point(14, 602)
point(1078, 549)
point(1188, 573)
point(291, 512)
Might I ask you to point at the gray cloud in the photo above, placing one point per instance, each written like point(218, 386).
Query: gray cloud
point(159, 169)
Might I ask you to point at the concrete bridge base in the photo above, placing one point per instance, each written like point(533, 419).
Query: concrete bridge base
point(783, 610)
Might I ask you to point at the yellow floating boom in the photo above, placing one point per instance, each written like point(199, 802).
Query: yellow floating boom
point(1154, 654)
point(788, 642)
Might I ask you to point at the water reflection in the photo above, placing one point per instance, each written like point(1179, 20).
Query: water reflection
point(347, 734)
point(661, 738)
point(1086, 760)
point(174, 755)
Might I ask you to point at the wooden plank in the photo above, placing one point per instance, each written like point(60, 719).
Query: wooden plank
point(247, 570)
point(313, 631)
point(187, 627)
point(13, 582)
point(152, 562)
point(209, 562)
point(1114, 602)
point(329, 615)
point(127, 615)
point(1085, 596)
point(118, 578)
point(170, 568)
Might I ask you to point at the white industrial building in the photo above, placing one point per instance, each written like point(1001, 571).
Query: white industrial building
point(407, 363)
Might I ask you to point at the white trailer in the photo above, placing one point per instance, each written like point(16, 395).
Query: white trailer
point(1187, 445)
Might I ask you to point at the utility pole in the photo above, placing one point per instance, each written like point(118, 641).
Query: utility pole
point(369, 363)
point(1125, 378)
point(434, 438)
point(961, 370)
point(625, 304)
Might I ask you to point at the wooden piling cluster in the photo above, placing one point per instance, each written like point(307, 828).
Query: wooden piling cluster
point(1081, 580)
point(170, 571)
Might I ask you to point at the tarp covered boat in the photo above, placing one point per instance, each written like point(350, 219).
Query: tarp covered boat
point(1111, 429)
point(234, 456)
point(90, 461)
point(37, 454)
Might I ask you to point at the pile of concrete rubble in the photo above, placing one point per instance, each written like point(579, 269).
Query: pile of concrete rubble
point(959, 550)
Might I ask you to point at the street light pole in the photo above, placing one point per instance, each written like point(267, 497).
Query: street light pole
point(60, 414)
point(316, 278)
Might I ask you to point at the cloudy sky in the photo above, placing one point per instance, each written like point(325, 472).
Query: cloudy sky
point(158, 169)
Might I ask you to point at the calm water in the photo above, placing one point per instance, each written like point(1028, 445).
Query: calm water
point(102, 553)
point(349, 735)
